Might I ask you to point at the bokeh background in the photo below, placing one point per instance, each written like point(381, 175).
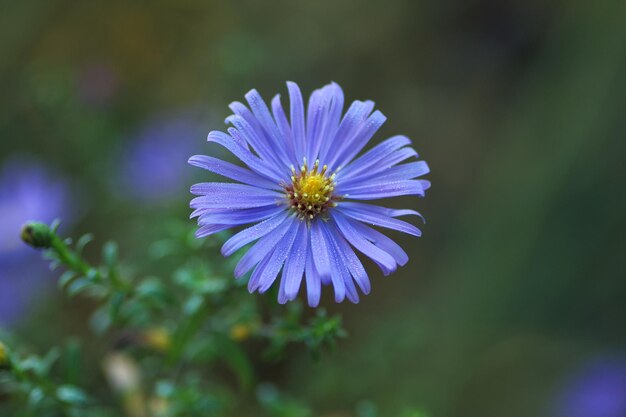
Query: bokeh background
point(514, 300)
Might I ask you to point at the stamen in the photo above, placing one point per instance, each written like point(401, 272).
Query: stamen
point(311, 191)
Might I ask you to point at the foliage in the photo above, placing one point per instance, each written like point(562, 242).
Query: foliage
point(186, 343)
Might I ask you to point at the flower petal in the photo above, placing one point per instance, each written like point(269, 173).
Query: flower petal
point(349, 126)
point(263, 115)
point(373, 191)
point(278, 257)
point(377, 216)
point(363, 245)
point(376, 156)
point(320, 252)
point(383, 242)
point(254, 163)
point(255, 137)
point(349, 258)
point(297, 119)
point(211, 229)
point(351, 147)
point(339, 273)
point(316, 113)
point(234, 190)
point(261, 249)
point(235, 217)
point(294, 268)
point(252, 233)
point(331, 121)
point(397, 173)
point(285, 128)
point(313, 282)
point(228, 170)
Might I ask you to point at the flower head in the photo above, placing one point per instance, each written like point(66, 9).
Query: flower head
point(303, 188)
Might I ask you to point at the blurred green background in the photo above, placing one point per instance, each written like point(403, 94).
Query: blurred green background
point(514, 300)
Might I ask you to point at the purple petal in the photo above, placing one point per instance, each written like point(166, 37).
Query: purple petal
point(263, 115)
point(278, 257)
point(349, 126)
point(282, 297)
point(331, 121)
point(379, 158)
point(339, 273)
point(349, 258)
point(285, 128)
point(316, 113)
point(294, 268)
point(236, 217)
point(255, 138)
point(261, 249)
point(255, 278)
point(253, 162)
point(383, 242)
point(377, 216)
point(397, 173)
point(363, 245)
point(351, 291)
point(234, 190)
point(252, 233)
point(211, 229)
point(350, 148)
point(313, 282)
point(320, 251)
point(228, 170)
point(297, 119)
point(378, 190)
point(227, 202)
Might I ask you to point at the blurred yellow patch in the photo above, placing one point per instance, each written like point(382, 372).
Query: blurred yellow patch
point(4, 357)
point(240, 332)
point(158, 338)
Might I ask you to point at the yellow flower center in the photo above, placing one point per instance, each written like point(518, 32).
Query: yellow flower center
point(311, 192)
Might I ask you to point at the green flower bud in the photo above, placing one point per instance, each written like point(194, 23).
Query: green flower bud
point(38, 235)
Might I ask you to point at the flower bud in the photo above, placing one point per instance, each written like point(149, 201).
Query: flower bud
point(38, 235)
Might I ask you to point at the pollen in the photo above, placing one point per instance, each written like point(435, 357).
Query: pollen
point(311, 192)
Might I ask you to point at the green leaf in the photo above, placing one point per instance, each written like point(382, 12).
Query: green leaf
point(117, 298)
point(66, 278)
point(35, 396)
point(193, 305)
point(109, 254)
point(71, 394)
point(82, 242)
point(78, 286)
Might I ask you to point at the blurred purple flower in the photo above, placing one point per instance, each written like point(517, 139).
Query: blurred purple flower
point(97, 83)
point(28, 191)
point(153, 162)
point(596, 390)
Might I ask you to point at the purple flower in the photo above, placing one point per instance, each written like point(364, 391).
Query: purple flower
point(28, 191)
point(597, 390)
point(153, 156)
point(303, 188)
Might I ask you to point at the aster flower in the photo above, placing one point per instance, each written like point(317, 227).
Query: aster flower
point(304, 188)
